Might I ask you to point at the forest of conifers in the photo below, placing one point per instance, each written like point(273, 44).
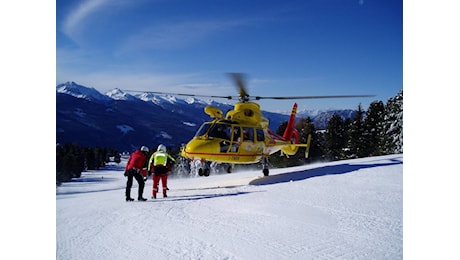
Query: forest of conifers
point(377, 131)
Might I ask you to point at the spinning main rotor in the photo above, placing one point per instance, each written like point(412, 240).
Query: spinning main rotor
point(239, 80)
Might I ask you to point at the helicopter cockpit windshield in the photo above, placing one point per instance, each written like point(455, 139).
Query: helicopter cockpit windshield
point(204, 128)
point(221, 131)
point(215, 130)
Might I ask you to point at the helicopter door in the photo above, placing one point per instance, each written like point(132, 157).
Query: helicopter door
point(248, 145)
point(221, 131)
point(260, 141)
point(236, 138)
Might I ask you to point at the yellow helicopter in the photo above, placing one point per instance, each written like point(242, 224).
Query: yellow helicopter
point(242, 135)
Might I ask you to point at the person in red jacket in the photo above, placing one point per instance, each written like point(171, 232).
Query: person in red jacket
point(136, 168)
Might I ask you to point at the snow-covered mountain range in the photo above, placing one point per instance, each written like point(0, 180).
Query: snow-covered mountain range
point(125, 121)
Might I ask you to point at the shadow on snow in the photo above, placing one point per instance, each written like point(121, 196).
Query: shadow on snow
point(86, 181)
point(316, 172)
point(200, 196)
point(97, 179)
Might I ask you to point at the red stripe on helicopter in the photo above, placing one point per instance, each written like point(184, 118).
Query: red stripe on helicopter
point(226, 154)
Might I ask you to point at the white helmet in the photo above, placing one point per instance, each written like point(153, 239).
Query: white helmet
point(162, 148)
point(144, 149)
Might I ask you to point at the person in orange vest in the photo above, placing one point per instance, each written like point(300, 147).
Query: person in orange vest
point(135, 168)
point(160, 165)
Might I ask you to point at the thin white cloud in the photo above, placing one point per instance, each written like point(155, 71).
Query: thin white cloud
point(82, 15)
point(75, 19)
point(178, 35)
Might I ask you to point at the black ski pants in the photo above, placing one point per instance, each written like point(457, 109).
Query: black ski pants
point(140, 180)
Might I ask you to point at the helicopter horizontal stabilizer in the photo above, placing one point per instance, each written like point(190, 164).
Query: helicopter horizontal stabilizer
point(307, 146)
point(307, 149)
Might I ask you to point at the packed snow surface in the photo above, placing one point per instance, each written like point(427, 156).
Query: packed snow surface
point(350, 209)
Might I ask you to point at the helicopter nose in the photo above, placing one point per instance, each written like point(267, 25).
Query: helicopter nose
point(198, 148)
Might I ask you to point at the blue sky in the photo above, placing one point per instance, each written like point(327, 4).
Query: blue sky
point(287, 48)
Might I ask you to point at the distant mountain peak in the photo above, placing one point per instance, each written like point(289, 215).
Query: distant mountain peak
point(170, 99)
point(118, 94)
point(79, 91)
point(148, 97)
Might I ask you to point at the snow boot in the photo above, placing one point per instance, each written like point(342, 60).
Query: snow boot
point(164, 195)
point(129, 199)
point(141, 199)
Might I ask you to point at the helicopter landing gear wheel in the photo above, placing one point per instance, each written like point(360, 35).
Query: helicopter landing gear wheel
point(205, 169)
point(230, 168)
point(265, 166)
point(265, 171)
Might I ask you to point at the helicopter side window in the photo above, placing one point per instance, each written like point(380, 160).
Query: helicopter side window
point(228, 132)
point(236, 139)
point(248, 134)
point(260, 135)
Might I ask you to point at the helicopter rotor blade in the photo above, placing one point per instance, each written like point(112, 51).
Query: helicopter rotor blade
point(245, 97)
point(239, 79)
point(314, 97)
point(180, 94)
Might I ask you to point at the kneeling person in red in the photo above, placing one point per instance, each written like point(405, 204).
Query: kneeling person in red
point(160, 165)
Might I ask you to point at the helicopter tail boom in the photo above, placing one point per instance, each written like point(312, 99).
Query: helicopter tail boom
point(290, 129)
point(291, 134)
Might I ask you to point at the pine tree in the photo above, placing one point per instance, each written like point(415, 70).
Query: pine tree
point(393, 126)
point(306, 127)
point(347, 153)
point(335, 138)
point(69, 162)
point(115, 154)
point(356, 135)
point(90, 159)
point(281, 128)
point(374, 129)
point(72, 160)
